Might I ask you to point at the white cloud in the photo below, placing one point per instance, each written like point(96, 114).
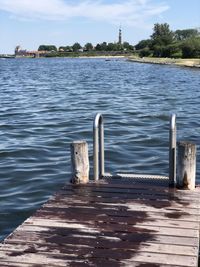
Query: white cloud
point(126, 12)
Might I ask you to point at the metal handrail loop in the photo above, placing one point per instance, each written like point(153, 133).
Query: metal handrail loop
point(172, 151)
point(98, 147)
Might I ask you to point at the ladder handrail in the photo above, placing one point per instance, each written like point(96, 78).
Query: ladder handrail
point(98, 147)
point(172, 151)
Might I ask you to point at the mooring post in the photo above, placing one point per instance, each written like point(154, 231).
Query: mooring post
point(79, 162)
point(186, 169)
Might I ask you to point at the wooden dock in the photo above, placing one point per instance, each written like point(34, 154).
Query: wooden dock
point(112, 222)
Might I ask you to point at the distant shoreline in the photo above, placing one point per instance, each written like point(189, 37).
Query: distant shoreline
point(104, 57)
point(186, 62)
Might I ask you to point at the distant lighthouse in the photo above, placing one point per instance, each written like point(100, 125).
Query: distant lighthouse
point(120, 36)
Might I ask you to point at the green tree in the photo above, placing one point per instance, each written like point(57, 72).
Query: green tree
point(68, 48)
point(49, 48)
point(127, 46)
point(174, 50)
point(98, 47)
point(113, 47)
point(145, 52)
point(101, 47)
point(191, 48)
point(182, 35)
point(143, 44)
point(162, 36)
point(104, 46)
point(88, 47)
point(76, 47)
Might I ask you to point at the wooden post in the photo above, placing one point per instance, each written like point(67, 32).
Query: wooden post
point(79, 162)
point(186, 169)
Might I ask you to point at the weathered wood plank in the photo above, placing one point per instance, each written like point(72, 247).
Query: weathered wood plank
point(86, 204)
point(126, 209)
point(85, 264)
point(44, 234)
point(162, 259)
point(125, 196)
point(131, 187)
point(110, 228)
point(100, 189)
point(61, 259)
point(123, 220)
point(68, 248)
point(161, 203)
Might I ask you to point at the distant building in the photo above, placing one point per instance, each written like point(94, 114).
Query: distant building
point(120, 36)
point(24, 53)
point(19, 51)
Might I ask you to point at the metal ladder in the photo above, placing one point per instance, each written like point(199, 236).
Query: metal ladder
point(98, 151)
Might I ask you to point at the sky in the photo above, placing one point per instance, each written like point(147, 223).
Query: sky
point(30, 23)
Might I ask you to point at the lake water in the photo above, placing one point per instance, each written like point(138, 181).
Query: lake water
point(47, 103)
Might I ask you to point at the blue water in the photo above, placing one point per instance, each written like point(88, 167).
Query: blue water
point(47, 103)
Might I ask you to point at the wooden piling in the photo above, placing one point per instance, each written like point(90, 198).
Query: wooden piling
point(186, 169)
point(79, 162)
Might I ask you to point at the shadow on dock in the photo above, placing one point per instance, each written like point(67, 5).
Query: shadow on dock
point(109, 223)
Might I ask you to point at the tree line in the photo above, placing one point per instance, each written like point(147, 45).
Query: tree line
point(76, 47)
point(162, 43)
point(166, 43)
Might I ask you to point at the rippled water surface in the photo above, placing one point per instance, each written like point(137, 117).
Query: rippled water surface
point(47, 103)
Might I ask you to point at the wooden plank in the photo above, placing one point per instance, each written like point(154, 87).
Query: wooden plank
point(93, 256)
point(123, 220)
point(67, 248)
point(159, 258)
point(123, 187)
point(21, 264)
point(85, 264)
point(125, 197)
point(122, 204)
point(119, 189)
point(98, 198)
point(42, 233)
point(75, 252)
point(61, 259)
point(125, 209)
point(37, 258)
point(110, 228)
point(177, 195)
point(161, 203)
point(112, 207)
